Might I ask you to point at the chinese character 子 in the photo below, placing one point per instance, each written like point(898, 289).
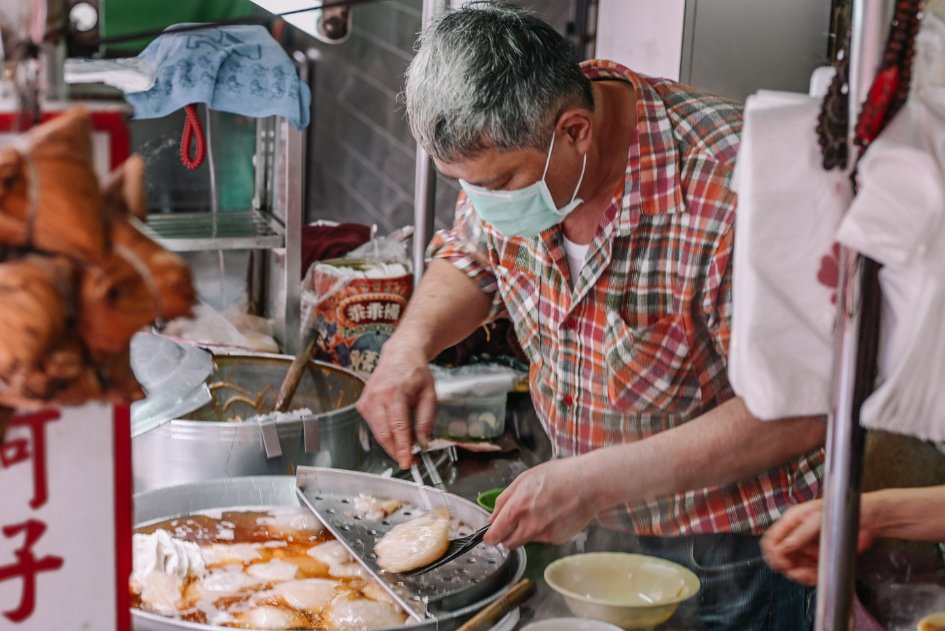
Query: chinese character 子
point(356, 312)
point(27, 567)
point(392, 311)
point(31, 447)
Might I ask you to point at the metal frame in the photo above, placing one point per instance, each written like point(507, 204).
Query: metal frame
point(424, 184)
point(855, 363)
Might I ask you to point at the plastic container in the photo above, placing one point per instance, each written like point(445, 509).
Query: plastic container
point(471, 418)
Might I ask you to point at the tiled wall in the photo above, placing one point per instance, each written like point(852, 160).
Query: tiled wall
point(361, 158)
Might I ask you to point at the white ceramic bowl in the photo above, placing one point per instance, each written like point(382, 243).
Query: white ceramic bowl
point(932, 622)
point(569, 624)
point(632, 591)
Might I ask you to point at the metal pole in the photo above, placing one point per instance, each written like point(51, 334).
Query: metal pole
point(855, 363)
point(424, 210)
point(424, 185)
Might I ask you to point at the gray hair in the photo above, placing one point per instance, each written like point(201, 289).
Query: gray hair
point(490, 75)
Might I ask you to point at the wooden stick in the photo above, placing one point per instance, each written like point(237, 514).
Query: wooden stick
point(486, 618)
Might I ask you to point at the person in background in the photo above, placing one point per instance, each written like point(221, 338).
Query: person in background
point(597, 213)
point(791, 546)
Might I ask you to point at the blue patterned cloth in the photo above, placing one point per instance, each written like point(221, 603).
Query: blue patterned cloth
point(238, 69)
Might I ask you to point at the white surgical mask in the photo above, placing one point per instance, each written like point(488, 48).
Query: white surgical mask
point(524, 212)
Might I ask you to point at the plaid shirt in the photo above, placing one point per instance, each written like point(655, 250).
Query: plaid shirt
point(637, 343)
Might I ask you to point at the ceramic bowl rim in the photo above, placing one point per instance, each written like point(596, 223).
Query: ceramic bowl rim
point(567, 593)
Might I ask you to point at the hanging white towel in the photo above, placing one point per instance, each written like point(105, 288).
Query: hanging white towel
point(898, 218)
point(785, 267)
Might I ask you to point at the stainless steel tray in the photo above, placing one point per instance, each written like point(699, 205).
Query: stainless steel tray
point(330, 493)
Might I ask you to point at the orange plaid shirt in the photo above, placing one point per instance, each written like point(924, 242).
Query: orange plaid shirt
point(637, 343)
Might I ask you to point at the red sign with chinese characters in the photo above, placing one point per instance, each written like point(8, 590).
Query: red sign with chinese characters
point(65, 522)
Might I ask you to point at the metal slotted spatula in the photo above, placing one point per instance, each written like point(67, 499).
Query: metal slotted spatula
point(457, 548)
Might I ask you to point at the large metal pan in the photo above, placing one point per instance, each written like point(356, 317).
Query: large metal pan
point(257, 491)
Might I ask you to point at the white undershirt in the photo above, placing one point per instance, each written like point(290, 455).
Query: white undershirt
point(576, 254)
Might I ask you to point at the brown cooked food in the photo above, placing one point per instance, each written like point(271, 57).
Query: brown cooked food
point(115, 302)
point(34, 294)
point(77, 278)
point(169, 273)
point(52, 191)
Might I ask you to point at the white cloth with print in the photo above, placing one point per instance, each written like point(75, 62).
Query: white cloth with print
point(781, 349)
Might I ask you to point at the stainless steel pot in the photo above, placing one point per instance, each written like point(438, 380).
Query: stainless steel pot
point(205, 446)
point(167, 503)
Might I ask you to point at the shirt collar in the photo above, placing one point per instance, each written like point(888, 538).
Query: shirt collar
point(652, 185)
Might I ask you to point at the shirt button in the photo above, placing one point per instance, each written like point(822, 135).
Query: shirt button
point(567, 401)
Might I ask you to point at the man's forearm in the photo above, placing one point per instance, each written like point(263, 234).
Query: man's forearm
point(725, 445)
point(446, 308)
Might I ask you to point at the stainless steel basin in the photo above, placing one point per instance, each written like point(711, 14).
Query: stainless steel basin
point(206, 446)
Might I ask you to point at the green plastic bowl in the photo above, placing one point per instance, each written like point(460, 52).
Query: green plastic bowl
point(487, 499)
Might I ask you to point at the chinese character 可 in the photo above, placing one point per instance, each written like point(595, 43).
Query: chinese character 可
point(375, 310)
point(16, 450)
point(356, 312)
point(27, 567)
point(392, 311)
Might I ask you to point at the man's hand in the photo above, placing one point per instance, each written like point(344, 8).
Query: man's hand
point(399, 401)
point(549, 503)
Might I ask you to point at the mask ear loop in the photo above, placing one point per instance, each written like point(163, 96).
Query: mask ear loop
point(580, 181)
point(551, 148)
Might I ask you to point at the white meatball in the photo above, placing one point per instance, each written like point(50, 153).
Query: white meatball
point(268, 617)
point(273, 571)
point(415, 543)
point(348, 614)
point(311, 594)
point(161, 593)
point(370, 507)
point(290, 520)
point(230, 553)
point(330, 553)
point(224, 581)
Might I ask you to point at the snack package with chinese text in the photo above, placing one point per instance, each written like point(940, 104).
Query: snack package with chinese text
point(358, 301)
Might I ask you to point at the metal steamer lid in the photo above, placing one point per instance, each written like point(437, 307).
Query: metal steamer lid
point(331, 493)
point(173, 376)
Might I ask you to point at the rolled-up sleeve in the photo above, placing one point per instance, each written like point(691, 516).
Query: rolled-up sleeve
point(466, 246)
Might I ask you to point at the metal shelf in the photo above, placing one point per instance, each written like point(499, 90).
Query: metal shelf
point(194, 232)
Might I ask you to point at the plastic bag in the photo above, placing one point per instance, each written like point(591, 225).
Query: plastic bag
point(211, 328)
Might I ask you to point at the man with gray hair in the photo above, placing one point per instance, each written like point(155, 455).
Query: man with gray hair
point(597, 212)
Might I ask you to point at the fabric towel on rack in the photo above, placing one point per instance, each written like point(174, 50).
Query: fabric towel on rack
point(898, 219)
point(785, 269)
point(238, 69)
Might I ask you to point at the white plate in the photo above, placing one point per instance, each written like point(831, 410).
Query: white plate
point(570, 624)
point(508, 622)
